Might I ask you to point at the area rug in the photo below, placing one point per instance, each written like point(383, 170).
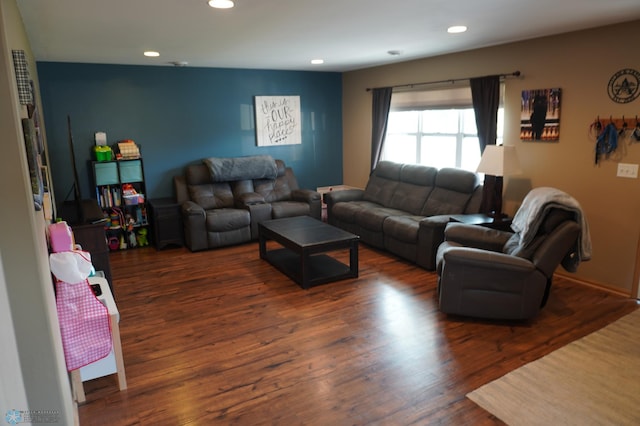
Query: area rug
point(592, 381)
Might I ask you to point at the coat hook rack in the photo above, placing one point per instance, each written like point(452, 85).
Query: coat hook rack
point(621, 123)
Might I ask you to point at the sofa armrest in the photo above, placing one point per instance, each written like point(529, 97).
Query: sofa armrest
point(259, 212)
point(249, 199)
point(195, 230)
point(259, 209)
point(469, 257)
point(306, 195)
point(476, 236)
point(180, 188)
point(430, 236)
point(439, 221)
point(191, 209)
point(333, 197)
point(310, 197)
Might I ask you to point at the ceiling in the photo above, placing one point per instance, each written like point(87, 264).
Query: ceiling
point(288, 34)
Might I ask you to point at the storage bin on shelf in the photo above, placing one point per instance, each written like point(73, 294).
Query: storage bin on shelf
point(130, 171)
point(102, 153)
point(133, 199)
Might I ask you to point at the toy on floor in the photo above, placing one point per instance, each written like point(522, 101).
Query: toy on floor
point(123, 242)
point(142, 237)
point(131, 236)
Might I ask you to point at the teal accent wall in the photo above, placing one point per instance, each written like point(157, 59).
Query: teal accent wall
point(179, 116)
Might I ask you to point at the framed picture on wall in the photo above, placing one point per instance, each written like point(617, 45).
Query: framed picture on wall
point(33, 159)
point(278, 120)
point(540, 115)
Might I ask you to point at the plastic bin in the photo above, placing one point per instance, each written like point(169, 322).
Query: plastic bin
point(103, 153)
point(133, 200)
point(130, 171)
point(106, 173)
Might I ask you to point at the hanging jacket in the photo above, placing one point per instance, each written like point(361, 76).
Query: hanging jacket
point(607, 141)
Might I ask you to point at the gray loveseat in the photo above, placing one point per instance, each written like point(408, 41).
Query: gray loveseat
point(223, 199)
point(405, 208)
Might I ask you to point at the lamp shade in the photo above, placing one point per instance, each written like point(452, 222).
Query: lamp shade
point(499, 160)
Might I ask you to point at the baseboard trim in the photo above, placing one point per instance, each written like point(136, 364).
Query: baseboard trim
point(599, 286)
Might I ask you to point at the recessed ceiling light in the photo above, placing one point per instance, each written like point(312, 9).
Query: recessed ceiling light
point(456, 29)
point(221, 4)
point(317, 61)
point(151, 54)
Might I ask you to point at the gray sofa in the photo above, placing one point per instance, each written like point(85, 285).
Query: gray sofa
point(405, 208)
point(223, 199)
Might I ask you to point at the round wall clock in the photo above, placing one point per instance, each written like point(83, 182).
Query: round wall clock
point(624, 86)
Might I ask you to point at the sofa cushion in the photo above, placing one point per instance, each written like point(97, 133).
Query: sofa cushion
point(416, 183)
point(444, 201)
point(289, 209)
point(454, 188)
point(373, 219)
point(224, 220)
point(273, 190)
point(409, 197)
point(240, 187)
point(236, 168)
point(197, 174)
point(382, 183)
point(212, 195)
point(418, 175)
point(347, 211)
point(403, 228)
point(457, 180)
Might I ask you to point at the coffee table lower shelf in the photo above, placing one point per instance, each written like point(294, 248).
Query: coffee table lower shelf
point(322, 267)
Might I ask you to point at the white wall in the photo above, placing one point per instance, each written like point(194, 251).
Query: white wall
point(12, 393)
point(27, 279)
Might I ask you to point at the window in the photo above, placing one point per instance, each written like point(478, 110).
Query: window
point(440, 133)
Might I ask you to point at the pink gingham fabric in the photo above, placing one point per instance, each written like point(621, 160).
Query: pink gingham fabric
point(84, 322)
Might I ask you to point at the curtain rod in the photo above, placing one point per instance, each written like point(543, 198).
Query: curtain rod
point(452, 80)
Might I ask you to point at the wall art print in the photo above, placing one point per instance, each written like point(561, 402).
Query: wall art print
point(540, 115)
point(33, 159)
point(278, 120)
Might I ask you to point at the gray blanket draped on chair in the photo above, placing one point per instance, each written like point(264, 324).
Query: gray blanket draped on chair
point(534, 208)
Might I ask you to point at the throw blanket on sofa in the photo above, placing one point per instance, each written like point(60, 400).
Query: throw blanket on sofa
point(238, 168)
point(534, 208)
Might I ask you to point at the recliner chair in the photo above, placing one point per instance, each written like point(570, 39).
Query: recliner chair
point(487, 273)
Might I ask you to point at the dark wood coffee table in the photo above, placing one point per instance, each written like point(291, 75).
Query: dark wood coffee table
point(305, 242)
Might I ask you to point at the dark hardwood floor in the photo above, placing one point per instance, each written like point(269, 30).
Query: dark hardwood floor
point(222, 337)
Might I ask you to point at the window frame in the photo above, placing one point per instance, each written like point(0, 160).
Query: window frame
point(420, 101)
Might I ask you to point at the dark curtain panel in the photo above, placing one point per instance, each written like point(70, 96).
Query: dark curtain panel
point(380, 117)
point(485, 94)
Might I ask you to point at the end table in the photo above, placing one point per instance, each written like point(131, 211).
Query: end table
point(166, 221)
point(481, 219)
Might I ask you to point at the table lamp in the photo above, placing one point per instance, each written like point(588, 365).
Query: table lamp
point(498, 161)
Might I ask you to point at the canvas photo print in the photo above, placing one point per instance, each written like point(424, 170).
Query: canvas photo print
point(540, 115)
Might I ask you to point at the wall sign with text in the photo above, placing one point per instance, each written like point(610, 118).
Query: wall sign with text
point(278, 120)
